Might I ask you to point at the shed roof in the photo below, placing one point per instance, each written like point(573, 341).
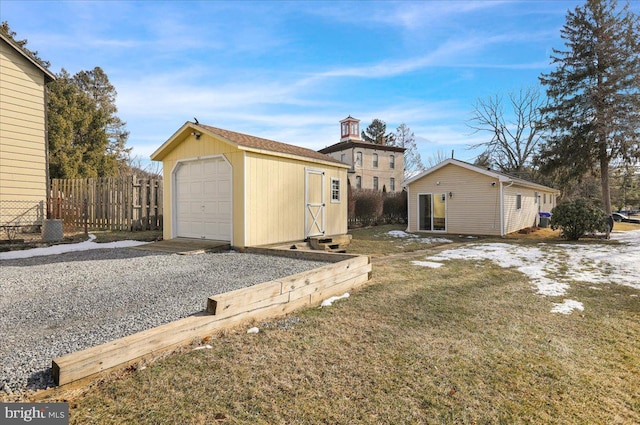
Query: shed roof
point(48, 75)
point(502, 177)
point(246, 142)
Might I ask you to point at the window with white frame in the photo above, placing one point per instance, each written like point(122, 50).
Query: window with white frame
point(536, 195)
point(358, 159)
point(544, 198)
point(392, 184)
point(335, 190)
point(375, 183)
point(358, 182)
point(343, 157)
point(375, 160)
point(392, 162)
point(518, 201)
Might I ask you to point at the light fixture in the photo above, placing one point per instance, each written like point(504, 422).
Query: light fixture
point(197, 134)
point(450, 195)
point(493, 184)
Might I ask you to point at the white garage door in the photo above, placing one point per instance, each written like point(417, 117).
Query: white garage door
point(203, 199)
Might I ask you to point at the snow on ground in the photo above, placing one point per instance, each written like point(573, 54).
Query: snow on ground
point(552, 268)
point(431, 264)
point(63, 248)
point(415, 238)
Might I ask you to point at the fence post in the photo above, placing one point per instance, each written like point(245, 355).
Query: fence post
point(85, 216)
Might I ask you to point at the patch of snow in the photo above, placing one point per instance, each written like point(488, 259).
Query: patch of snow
point(329, 301)
point(64, 248)
point(416, 238)
point(431, 264)
point(552, 268)
point(567, 306)
point(253, 330)
point(204, 347)
point(400, 234)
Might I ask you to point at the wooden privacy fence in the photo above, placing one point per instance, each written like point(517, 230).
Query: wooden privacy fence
point(108, 203)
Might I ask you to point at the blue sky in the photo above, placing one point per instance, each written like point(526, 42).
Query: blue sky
point(290, 71)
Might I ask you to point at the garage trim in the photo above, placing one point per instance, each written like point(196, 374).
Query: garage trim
point(174, 198)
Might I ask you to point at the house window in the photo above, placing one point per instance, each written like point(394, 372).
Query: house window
point(392, 184)
point(335, 191)
point(536, 195)
point(345, 129)
point(375, 160)
point(358, 159)
point(358, 182)
point(392, 162)
point(518, 201)
point(375, 183)
point(343, 158)
point(354, 128)
point(544, 197)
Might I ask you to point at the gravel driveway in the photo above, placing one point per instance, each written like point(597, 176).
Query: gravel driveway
point(55, 305)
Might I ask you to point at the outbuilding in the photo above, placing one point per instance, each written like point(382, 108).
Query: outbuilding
point(455, 197)
point(228, 186)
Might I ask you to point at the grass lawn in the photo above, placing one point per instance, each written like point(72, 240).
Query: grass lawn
point(467, 343)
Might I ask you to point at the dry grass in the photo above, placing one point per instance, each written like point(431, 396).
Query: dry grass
point(466, 343)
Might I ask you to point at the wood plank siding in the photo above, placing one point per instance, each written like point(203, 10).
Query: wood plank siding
point(23, 162)
point(268, 184)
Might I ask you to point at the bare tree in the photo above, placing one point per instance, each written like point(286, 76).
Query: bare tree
point(514, 137)
point(436, 158)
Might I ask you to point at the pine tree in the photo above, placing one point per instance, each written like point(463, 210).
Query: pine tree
point(377, 133)
point(594, 94)
point(4, 27)
point(86, 138)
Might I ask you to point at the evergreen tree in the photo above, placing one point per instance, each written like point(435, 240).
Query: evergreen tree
point(86, 138)
point(377, 133)
point(4, 27)
point(594, 94)
point(405, 138)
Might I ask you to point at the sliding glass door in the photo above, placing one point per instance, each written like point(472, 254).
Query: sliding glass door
point(432, 212)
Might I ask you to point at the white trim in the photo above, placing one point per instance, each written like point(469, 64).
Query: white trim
point(321, 211)
point(446, 207)
point(174, 209)
point(339, 200)
point(501, 200)
point(244, 199)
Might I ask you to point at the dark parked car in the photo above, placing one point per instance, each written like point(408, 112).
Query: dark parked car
point(623, 218)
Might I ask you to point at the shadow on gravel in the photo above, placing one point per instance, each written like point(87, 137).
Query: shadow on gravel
point(41, 380)
point(91, 255)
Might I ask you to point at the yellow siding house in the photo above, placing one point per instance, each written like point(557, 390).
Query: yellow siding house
point(455, 197)
point(23, 136)
point(223, 185)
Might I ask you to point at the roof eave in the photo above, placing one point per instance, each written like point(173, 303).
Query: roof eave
point(48, 75)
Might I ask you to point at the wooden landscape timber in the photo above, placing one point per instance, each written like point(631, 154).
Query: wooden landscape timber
point(258, 302)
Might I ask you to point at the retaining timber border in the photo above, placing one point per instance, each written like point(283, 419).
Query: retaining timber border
point(258, 302)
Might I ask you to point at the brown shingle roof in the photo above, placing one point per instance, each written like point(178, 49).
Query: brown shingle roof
point(266, 144)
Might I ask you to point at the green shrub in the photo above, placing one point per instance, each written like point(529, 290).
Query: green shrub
point(578, 218)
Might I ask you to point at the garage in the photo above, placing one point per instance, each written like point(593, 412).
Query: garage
point(229, 186)
point(203, 199)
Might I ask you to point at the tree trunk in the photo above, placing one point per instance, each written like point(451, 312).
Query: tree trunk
point(604, 181)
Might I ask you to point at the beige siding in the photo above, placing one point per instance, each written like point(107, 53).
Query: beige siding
point(268, 192)
point(276, 199)
point(22, 128)
point(532, 202)
point(473, 208)
point(190, 149)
